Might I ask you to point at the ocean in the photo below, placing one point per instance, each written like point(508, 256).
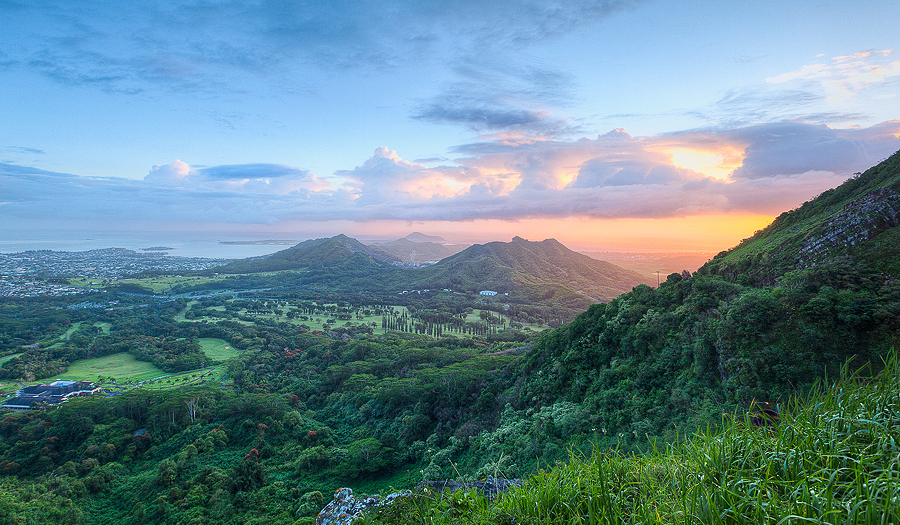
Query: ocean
point(182, 244)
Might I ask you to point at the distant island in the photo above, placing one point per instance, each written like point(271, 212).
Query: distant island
point(267, 241)
point(157, 249)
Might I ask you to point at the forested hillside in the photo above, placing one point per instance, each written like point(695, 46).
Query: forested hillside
point(335, 253)
point(544, 272)
point(529, 268)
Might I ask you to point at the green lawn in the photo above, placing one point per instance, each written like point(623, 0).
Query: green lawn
point(217, 349)
point(8, 357)
point(163, 284)
point(71, 330)
point(119, 366)
point(179, 317)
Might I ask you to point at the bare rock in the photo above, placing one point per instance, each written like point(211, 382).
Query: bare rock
point(344, 508)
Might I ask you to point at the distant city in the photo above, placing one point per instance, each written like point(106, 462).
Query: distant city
point(31, 273)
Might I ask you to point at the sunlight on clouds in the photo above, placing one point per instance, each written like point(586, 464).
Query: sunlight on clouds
point(717, 164)
point(434, 185)
point(173, 172)
point(566, 176)
point(498, 181)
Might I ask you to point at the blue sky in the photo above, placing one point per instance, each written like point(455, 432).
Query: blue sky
point(609, 124)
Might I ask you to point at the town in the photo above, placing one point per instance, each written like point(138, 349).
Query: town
point(43, 272)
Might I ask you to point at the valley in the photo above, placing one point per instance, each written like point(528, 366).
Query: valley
point(249, 391)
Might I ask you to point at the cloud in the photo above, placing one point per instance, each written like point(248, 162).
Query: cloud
point(845, 77)
point(250, 178)
point(15, 169)
point(741, 107)
point(489, 96)
point(37, 196)
point(614, 175)
point(481, 118)
point(788, 148)
point(24, 149)
point(197, 45)
point(387, 178)
point(5, 62)
point(173, 173)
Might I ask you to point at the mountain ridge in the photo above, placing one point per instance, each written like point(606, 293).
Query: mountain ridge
point(505, 267)
point(529, 271)
point(339, 251)
point(415, 252)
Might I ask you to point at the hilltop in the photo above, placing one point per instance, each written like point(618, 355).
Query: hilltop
point(338, 252)
point(418, 249)
point(421, 237)
point(534, 269)
point(543, 272)
point(856, 222)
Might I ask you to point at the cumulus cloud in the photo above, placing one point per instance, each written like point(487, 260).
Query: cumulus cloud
point(613, 175)
point(789, 148)
point(173, 173)
point(387, 178)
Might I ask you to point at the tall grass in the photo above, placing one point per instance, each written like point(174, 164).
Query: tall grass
point(833, 459)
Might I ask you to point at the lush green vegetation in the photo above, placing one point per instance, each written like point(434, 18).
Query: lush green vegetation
point(312, 397)
point(832, 459)
point(7, 358)
point(155, 339)
point(323, 410)
point(533, 270)
point(167, 283)
point(545, 273)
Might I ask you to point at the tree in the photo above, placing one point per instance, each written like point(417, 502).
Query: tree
point(192, 405)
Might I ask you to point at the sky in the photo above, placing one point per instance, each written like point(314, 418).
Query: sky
point(641, 125)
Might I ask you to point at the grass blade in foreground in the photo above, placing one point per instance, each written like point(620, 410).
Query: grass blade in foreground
point(833, 459)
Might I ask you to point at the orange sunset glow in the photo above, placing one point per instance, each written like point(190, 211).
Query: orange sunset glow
point(718, 164)
point(701, 233)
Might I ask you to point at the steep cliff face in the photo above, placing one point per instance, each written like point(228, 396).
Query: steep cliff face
point(857, 220)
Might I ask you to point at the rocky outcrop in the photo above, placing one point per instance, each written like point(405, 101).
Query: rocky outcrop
point(860, 220)
point(489, 488)
point(344, 508)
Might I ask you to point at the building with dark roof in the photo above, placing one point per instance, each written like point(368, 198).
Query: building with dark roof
point(51, 393)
